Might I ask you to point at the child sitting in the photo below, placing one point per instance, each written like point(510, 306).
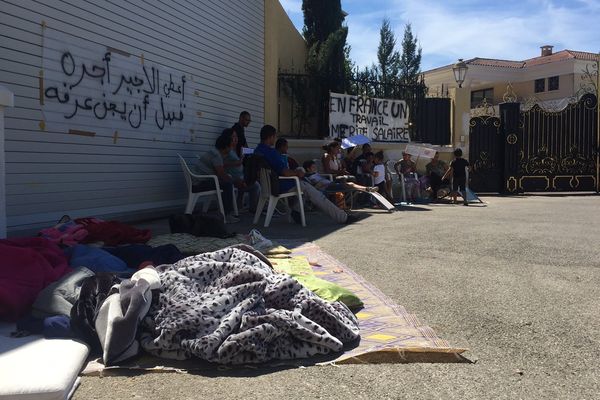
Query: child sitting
point(379, 176)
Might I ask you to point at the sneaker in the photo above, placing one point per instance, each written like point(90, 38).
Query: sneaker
point(258, 241)
point(465, 204)
point(351, 219)
point(297, 217)
point(231, 219)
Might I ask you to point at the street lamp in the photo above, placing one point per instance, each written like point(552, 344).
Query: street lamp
point(460, 72)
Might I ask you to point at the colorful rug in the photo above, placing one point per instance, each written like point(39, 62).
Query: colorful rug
point(389, 334)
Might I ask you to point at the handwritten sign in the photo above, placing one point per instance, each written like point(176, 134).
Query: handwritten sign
point(86, 84)
point(420, 151)
point(377, 119)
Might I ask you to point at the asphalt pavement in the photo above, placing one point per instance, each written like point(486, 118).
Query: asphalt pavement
point(517, 281)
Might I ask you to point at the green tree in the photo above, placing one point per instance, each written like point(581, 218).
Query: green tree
point(326, 41)
point(410, 61)
point(321, 19)
point(327, 60)
point(388, 58)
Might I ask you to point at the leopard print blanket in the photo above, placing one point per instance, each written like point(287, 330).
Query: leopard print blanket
point(229, 307)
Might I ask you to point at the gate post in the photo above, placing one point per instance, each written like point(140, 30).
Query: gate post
point(6, 100)
point(510, 130)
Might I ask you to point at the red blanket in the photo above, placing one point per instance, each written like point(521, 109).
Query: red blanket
point(27, 265)
point(112, 233)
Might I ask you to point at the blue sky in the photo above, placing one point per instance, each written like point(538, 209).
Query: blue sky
point(448, 30)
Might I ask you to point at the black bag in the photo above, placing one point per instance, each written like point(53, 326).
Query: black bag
point(94, 290)
point(256, 162)
point(251, 168)
point(201, 224)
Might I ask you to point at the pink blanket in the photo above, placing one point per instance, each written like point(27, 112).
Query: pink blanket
point(27, 265)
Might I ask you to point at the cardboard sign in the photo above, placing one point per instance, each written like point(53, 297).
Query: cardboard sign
point(420, 151)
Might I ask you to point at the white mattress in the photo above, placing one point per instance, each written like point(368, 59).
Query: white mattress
point(38, 369)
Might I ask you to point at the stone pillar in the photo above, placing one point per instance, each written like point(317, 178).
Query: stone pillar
point(461, 117)
point(6, 100)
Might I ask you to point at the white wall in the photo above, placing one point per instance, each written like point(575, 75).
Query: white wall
point(52, 168)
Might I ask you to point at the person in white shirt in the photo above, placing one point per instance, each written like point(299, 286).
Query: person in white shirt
point(380, 180)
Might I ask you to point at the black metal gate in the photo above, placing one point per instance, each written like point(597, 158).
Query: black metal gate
point(536, 149)
point(558, 149)
point(486, 152)
point(434, 121)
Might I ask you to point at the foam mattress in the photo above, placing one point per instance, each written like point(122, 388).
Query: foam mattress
point(34, 368)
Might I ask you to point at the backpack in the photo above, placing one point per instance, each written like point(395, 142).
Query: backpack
point(255, 163)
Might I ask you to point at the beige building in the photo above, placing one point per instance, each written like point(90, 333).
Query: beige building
point(548, 77)
point(285, 50)
point(551, 80)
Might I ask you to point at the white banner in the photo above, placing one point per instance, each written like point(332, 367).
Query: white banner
point(91, 87)
point(377, 119)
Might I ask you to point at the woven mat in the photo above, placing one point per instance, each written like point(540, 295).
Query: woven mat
point(389, 333)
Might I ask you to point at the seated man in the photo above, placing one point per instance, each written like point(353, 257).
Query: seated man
point(435, 170)
point(211, 163)
point(268, 136)
point(234, 167)
point(408, 169)
point(282, 147)
point(360, 159)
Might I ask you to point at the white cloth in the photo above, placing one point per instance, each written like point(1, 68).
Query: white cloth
point(318, 180)
point(322, 203)
point(380, 168)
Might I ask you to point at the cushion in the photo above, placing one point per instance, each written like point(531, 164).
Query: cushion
point(35, 368)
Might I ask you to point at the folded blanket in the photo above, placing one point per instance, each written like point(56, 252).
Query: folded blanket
point(119, 316)
point(230, 307)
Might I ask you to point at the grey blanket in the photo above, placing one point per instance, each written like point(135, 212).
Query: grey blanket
point(230, 307)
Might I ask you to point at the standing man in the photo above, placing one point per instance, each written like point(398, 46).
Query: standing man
point(240, 128)
point(268, 136)
point(459, 181)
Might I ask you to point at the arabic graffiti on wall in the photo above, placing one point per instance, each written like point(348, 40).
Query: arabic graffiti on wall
point(92, 86)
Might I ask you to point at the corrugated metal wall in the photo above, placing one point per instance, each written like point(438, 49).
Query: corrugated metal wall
point(86, 166)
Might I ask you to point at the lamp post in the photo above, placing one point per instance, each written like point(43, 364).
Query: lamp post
point(460, 72)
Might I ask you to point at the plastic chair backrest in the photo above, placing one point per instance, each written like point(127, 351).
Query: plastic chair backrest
point(186, 172)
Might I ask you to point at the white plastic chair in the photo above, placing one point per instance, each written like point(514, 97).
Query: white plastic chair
point(396, 180)
point(266, 196)
point(194, 196)
point(234, 194)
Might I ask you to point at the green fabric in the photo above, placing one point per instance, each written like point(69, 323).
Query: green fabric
point(299, 269)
